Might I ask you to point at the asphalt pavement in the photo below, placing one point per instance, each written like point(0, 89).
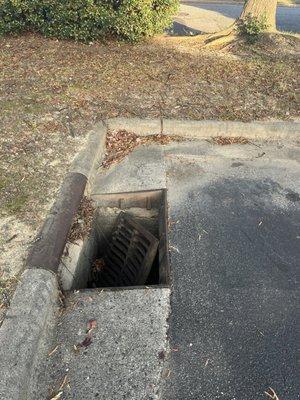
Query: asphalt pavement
point(235, 271)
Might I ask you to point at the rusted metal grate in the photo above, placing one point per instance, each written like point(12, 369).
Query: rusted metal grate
point(130, 255)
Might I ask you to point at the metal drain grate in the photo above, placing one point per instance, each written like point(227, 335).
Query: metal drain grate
point(130, 255)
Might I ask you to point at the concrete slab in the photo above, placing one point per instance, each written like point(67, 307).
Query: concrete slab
point(142, 170)
point(124, 360)
point(235, 273)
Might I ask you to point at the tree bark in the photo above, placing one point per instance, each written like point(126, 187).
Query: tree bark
point(261, 9)
point(257, 8)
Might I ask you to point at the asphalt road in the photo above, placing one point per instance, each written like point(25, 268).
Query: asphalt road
point(235, 274)
point(288, 18)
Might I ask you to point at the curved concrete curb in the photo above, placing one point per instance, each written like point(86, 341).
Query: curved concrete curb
point(28, 322)
point(24, 333)
point(48, 247)
point(277, 130)
point(51, 240)
point(84, 162)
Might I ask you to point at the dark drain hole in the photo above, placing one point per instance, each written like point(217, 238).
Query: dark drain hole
point(129, 259)
point(128, 244)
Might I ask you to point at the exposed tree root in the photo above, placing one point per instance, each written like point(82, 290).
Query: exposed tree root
point(231, 30)
point(223, 38)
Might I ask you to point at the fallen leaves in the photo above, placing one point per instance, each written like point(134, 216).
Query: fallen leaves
point(120, 143)
point(98, 264)
point(174, 248)
point(57, 396)
point(87, 341)
point(65, 95)
point(97, 267)
point(271, 394)
point(227, 140)
point(92, 324)
point(83, 220)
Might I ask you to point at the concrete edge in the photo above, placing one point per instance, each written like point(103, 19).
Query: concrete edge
point(25, 330)
point(85, 160)
point(50, 242)
point(268, 130)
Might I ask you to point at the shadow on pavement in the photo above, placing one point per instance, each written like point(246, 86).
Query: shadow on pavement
point(178, 29)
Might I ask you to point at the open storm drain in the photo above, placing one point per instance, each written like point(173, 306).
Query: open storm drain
point(127, 246)
point(129, 257)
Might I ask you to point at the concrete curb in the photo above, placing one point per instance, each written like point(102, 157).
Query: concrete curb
point(84, 162)
point(23, 335)
point(48, 247)
point(51, 240)
point(277, 130)
point(29, 320)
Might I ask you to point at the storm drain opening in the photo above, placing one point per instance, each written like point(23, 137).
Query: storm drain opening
point(128, 245)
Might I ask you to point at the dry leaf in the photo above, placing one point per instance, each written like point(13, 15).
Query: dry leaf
point(92, 323)
point(271, 394)
point(223, 140)
point(53, 351)
point(63, 383)
point(167, 373)
point(57, 396)
point(86, 342)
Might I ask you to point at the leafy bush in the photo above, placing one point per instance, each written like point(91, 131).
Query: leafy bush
point(136, 19)
point(251, 27)
point(12, 17)
point(87, 20)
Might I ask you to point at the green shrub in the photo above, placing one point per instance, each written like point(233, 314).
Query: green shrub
point(136, 19)
point(12, 17)
point(87, 20)
point(251, 27)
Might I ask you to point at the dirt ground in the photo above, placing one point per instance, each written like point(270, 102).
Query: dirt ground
point(52, 92)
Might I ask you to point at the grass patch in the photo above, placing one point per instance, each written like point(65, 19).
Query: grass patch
point(7, 287)
point(16, 204)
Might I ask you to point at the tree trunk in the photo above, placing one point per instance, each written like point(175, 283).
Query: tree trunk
point(261, 9)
